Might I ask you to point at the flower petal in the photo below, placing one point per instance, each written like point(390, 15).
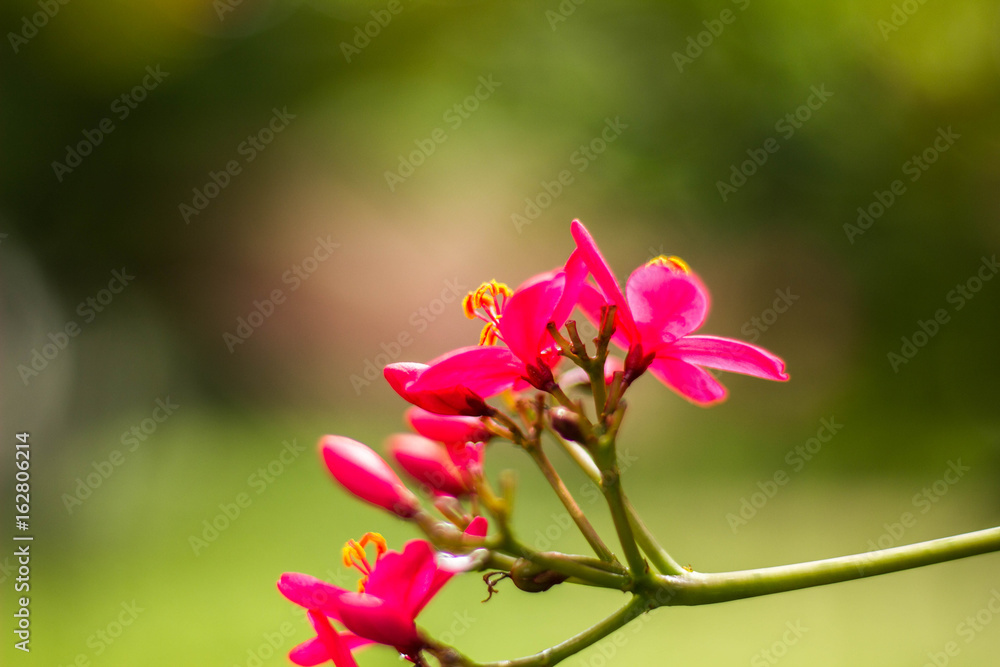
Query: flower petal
point(591, 300)
point(605, 278)
point(576, 276)
point(380, 620)
point(665, 304)
point(483, 370)
point(309, 653)
point(447, 428)
point(727, 354)
point(688, 380)
point(334, 645)
point(448, 400)
point(309, 592)
point(527, 314)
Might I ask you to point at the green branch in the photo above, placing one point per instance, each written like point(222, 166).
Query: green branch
point(697, 588)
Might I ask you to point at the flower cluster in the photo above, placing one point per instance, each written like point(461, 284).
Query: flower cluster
point(530, 361)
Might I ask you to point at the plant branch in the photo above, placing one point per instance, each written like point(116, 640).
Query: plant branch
point(595, 541)
point(695, 588)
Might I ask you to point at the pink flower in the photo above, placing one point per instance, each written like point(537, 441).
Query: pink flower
point(393, 591)
point(458, 382)
point(666, 302)
point(365, 474)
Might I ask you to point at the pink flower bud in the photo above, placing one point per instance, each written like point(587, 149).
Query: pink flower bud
point(428, 463)
point(444, 428)
point(365, 474)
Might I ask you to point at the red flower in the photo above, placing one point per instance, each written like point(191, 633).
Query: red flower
point(393, 591)
point(665, 302)
point(458, 382)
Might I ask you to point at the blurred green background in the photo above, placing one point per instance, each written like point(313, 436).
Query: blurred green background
point(684, 93)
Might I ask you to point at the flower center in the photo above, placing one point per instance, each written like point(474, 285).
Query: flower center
point(355, 557)
point(487, 303)
point(675, 264)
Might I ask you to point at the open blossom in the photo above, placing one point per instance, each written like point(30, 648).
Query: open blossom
point(663, 303)
point(392, 592)
point(458, 382)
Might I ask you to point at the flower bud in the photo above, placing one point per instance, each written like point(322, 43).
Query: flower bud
point(566, 423)
point(445, 428)
point(365, 474)
point(427, 462)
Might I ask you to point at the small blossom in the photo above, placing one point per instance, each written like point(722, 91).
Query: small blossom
point(666, 302)
point(393, 591)
point(458, 382)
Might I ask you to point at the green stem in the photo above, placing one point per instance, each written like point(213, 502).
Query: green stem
point(696, 588)
point(647, 542)
point(566, 565)
point(612, 487)
point(545, 465)
point(550, 656)
point(596, 373)
point(578, 454)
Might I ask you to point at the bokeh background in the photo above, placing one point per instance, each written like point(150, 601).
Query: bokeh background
point(676, 116)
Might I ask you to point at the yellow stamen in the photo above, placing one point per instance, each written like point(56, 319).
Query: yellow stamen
point(673, 263)
point(354, 555)
point(487, 303)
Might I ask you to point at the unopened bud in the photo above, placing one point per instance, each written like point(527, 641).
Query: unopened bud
point(566, 423)
point(365, 474)
point(539, 376)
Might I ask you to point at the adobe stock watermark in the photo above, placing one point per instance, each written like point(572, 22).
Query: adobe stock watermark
point(454, 117)
point(773, 654)
point(562, 12)
point(103, 638)
point(915, 167)
point(131, 440)
point(258, 482)
point(959, 296)
point(580, 159)
point(248, 149)
point(57, 341)
point(419, 321)
point(786, 126)
point(264, 308)
point(696, 44)
point(37, 21)
point(363, 35)
point(971, 627)
point(757, 325)
point(797, 459)
point(900, 16)
point(922, 502)
point(121, 107)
